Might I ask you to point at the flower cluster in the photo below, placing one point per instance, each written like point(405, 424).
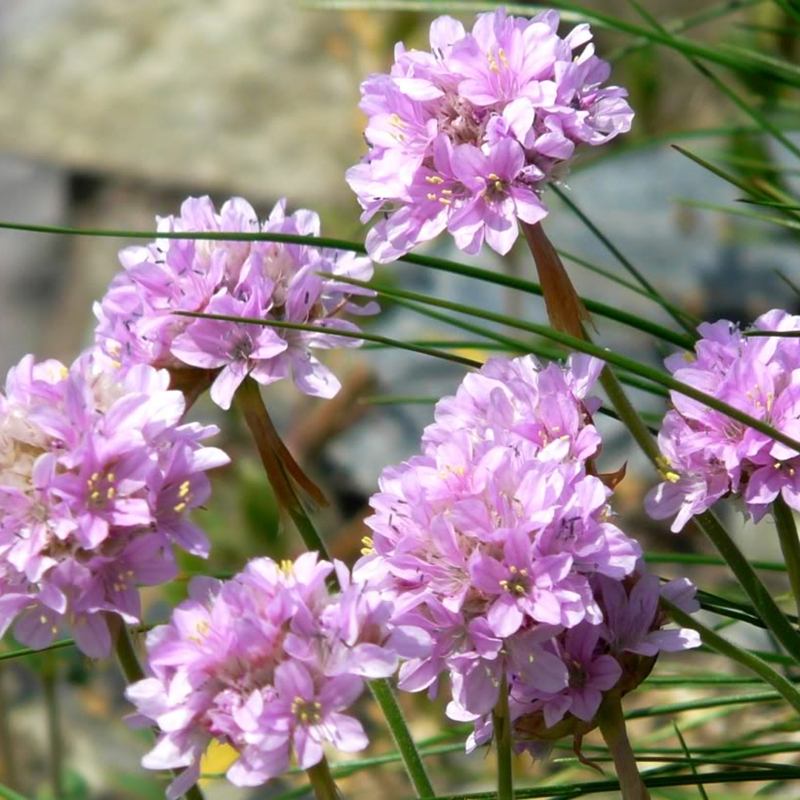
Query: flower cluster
point(708, 455)
point(466, 137)
point(96, 478)
point(268, 663)
point(262, 280)
point(560, 691)
point(497, 537)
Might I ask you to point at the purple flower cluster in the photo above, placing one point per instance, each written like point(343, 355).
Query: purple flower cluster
point(263, 280)
point(268, 662)
point(96, 478)
point(707, 455)
point(466, 137)
point(498, 539)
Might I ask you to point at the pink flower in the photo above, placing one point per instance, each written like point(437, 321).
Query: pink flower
point(707, 455)
point(262, 280)
point(97, 476)
point(467, 136)
point(262, 663)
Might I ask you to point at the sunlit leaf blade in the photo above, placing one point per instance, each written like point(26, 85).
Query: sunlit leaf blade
point(712, 561)
point(367, 337)
point(721, 86)
point(747, 659)
point(739, 212)
point(441, 264)
point(610, 357)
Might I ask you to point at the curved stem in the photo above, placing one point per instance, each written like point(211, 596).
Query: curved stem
point(790, 544)
point(502, 738)
point(612, 726)
point(322, 782)
point(249, 400)
point(132, 670)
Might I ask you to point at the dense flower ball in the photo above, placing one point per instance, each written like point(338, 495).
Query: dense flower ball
point(466, 137)
point(585, 661)
point(495, 538)
point(263, 280)
point(268, 662)
point(707, 454)
point(97, 476)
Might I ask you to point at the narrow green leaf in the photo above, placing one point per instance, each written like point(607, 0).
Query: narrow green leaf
point(536, 348)
point(747, 659)
point(653, 782)
point(711, 561)
point(441, 264)
point(610, 357)
point(625, 262)
point(710, 702)
point(741, 61)
point(754, 113)
point(739, 212)
point(690, 318)
point(9, 794)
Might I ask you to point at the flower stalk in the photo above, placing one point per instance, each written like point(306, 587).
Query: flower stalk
point(279, 464)
point(322, 782)
point(773, 617)
point(790, 544)
point(612, 727)
point(502, 736)
point(255, 413)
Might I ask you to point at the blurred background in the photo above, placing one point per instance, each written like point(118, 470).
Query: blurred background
point(112, 112)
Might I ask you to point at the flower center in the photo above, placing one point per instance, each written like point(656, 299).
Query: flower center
point(307, 711)
point(101, 489)
point(517, 584)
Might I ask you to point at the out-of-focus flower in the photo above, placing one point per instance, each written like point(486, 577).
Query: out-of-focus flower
point(268, 663)
point(97, 476)
point(707, 454)
point(466, 137)
point(261, 280)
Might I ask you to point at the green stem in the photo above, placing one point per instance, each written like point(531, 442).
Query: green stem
point(384, 695)
point(502, 738)
point(50, 687)
point(628, 414)
point(768, 609)
point(8, 765)
point(790, 544)
point(759, 596)
point(612, 726)
point(322, 782)
point(747, 659)
point(132, 670)
point(249, 400)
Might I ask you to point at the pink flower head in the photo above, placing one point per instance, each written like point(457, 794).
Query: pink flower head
point(262, 280)
point(268, 663)
point(97, 476)
point(491, 537)
point(465, 138)
point(708, 455)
